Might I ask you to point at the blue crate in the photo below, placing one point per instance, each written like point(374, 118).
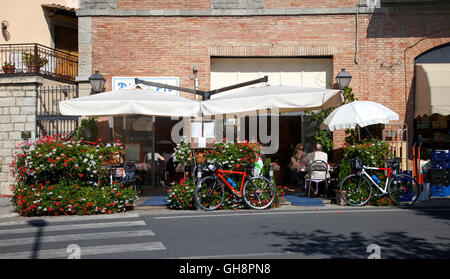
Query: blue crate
point(446, 191)
point(436, 188)
point(439, 153)
point(438, 167)
point(407, 197)
point(407, 173)
point(438, 191)
point(439, 194)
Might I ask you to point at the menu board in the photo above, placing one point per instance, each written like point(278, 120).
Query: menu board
point(202, 134)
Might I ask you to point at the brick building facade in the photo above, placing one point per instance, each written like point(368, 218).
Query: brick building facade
point(376, 41)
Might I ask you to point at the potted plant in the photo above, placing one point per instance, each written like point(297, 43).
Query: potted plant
point(29, 61)
point(8, 68)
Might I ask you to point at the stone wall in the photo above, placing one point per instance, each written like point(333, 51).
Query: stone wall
point(17, 114)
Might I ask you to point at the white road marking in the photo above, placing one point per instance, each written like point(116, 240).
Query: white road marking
point(56, 219)
point(92, 250)
point(72, 227)
point(279, 213)
point(72, 237)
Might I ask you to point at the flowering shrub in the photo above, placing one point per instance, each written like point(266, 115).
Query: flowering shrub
point(373, 153)
point(56, 176)
point(182, 154)
point(228, 155)
point(182, 195)
point(231, 155)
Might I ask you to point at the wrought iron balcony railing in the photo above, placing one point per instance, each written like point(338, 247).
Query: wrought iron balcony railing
point(32, 59)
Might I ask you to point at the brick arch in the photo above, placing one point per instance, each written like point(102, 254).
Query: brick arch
point(414, 51)
point(411, 53)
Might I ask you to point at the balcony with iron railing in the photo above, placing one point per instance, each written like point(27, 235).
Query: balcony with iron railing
point(36, 59)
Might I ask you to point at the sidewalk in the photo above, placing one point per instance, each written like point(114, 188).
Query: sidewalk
point(327, 205)
point(6, 209)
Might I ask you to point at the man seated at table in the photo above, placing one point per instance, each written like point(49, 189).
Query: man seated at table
point(317, 155)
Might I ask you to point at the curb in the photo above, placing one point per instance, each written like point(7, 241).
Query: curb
point(9, 215)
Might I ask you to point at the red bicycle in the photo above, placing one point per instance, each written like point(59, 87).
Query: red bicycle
point(257, 192)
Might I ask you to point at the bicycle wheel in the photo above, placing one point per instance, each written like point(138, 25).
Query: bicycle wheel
point(258, 192)
point(403, 189)
point(209, 193)
point(356, 190)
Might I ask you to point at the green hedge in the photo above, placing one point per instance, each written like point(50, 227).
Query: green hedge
point(373, 153)
point(182, 196)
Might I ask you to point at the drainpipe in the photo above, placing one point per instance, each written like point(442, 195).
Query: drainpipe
point(356, 36)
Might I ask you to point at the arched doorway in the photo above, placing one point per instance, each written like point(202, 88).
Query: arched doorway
point(432, 99)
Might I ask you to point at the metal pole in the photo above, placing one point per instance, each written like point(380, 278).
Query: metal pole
point(153, 152)
point(205, 94)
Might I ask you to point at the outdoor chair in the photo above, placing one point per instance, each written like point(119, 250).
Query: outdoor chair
point(129, 179)
point(318, 172)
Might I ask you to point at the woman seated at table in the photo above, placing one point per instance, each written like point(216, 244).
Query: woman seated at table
point(297, 166)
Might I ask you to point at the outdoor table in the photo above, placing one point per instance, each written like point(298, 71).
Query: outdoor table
point(115, 171)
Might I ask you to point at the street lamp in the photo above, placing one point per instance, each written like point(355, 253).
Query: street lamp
point(97, 82)
point(343, 79)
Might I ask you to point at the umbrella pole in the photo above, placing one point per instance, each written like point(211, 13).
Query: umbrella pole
point(153, 152)
point(359, 133)
point(111, 128)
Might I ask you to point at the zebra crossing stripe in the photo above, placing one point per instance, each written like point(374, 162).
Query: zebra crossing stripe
point(75, 237)
point(72, 227)
point(54, 219)
point(86, 251)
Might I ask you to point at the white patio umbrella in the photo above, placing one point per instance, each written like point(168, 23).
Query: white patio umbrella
point(282, 97)
point(130, 102)
point(361, 113)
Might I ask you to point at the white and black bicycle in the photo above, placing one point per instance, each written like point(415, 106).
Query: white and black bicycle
point(356, 188)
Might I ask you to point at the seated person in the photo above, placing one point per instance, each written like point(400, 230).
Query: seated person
point(296, 165)
point(317, 155)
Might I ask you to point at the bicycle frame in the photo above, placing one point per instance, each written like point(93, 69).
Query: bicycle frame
point(219, 173)
point(383, 190)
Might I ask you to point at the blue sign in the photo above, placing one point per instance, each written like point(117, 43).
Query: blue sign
point(128, 83)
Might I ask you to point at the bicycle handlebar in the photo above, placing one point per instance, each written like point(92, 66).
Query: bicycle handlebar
point(358, 163)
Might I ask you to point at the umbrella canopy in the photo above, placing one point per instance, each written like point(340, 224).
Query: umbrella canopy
point(361, 113)
point(282, 97)
point(130, 102)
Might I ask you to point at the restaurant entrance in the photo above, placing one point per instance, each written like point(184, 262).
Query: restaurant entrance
point(141, 135)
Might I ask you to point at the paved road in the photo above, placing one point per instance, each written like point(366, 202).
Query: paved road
point(286, 234)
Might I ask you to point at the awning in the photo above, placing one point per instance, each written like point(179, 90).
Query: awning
point(432, 89)
point(284, 98)
point(130, 102)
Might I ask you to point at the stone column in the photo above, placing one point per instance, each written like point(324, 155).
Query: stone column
point(85, 55)
point(17, 115)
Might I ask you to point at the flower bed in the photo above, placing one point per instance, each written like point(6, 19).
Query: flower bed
point(182, 196)
point(229, 156)
point(65, 177)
